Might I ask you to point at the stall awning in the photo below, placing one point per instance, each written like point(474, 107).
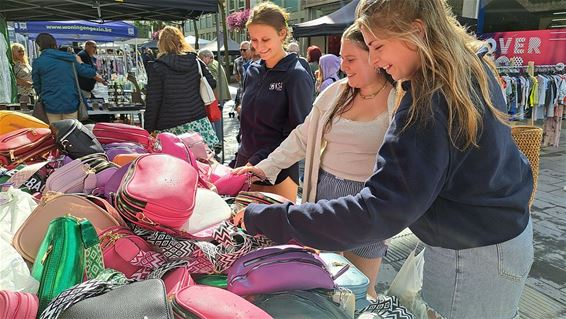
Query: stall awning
point(105, 10)
point(334, 23)
point(78, 30)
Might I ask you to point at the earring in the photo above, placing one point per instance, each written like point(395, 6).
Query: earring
point(378, 70)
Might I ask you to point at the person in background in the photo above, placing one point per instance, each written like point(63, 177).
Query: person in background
point(22, 71)
point(87, 56)
point(277, 97)
point(329, 66)
point(436, 173)
point(240, 71)
point(222, 90)
point(351, 116)
point(54, 79)
point(173, 101)
point(293, 47)
point(313, 56)
point(147, 56)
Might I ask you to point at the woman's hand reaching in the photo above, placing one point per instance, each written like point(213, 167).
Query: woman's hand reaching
point(258, 174)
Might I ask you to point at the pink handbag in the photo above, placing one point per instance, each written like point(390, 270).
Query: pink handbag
point(18, 305)
point(196, 301)
point(74, 177)
point(107, 133)
point(222, 178)
point(158, 190)
point(168, 143)
point(176, 280)
point(196, 144)
point(128, 253)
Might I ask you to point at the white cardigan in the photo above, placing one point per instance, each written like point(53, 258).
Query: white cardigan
point(306, 139)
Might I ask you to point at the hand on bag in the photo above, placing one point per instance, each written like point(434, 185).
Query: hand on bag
point(258, 174)
point(238, 219)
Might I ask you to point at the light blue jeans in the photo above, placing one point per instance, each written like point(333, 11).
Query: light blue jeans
point(483, 282)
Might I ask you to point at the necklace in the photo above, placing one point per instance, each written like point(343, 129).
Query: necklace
point(371, 96)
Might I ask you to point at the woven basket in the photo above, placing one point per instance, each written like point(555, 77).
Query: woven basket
point(529, 139)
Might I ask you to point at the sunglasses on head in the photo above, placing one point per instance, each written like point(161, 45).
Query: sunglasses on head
point(244, 50)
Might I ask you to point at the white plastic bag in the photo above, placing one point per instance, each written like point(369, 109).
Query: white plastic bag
point(14, 273)
point(15, 207)
point(408, 283)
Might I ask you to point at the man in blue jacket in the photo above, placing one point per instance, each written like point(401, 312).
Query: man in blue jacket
point(54, 79)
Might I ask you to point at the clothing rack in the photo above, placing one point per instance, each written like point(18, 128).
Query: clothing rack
point(514, 76)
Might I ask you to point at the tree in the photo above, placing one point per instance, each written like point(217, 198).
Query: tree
point(221, 6)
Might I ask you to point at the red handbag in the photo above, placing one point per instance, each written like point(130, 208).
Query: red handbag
point(18, 305)
point(25, 145)
point(107, 133)
point(158, 192)
point(196, 301)
point(213, 112)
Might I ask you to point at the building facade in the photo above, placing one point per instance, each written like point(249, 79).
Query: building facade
point(482, 16)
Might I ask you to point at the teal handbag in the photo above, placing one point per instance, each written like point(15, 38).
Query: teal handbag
point(69, 249)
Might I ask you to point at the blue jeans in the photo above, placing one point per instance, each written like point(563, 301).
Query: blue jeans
point(482, 282)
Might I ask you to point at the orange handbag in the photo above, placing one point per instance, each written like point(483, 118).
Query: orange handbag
point(213, 111)
point(123, 159)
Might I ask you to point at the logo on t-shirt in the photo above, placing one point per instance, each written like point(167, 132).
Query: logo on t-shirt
point(277, 86)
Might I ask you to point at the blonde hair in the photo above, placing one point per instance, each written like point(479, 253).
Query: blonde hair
point(449, 63)
point(272, 15)
point(172, 41)
point(19, 46)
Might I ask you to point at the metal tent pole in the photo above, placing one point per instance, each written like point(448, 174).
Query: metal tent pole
point(221, 104)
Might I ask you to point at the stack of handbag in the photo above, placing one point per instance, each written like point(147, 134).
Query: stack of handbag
point(154, 232)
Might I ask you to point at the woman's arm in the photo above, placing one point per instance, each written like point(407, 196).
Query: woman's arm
point(154, 98)
point(411, 170)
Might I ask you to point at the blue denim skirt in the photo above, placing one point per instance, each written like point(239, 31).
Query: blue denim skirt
point(482, 282)
point(332, 187)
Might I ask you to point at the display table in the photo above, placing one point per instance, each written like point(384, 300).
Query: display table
point(131, 113)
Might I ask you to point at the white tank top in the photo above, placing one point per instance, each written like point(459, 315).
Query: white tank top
point(351, 147)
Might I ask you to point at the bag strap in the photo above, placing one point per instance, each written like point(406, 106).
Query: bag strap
point(77, 82)
point(199, 67)
point(94, 264)
point(106, 281)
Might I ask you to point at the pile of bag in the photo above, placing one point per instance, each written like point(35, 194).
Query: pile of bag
point(125, 225)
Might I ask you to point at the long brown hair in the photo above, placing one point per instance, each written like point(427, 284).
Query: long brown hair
point(449, 63)
point(346, 98)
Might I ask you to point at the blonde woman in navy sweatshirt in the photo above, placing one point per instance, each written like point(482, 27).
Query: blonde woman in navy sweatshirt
point(448, 169)
point(277, 96)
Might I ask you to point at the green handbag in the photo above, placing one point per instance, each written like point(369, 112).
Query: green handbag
point(70, 248)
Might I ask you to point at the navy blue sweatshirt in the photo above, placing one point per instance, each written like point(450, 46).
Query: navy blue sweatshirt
point(274, 102)
point(449, 198)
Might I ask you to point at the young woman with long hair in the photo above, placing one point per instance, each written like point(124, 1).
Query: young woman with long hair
point(448, 169)
point(348, 121)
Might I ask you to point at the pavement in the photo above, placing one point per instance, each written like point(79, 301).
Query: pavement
point(544, 296)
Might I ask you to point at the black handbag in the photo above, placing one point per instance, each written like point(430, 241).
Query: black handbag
point(298, 304)
point(74, 139)
point(142, 299)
